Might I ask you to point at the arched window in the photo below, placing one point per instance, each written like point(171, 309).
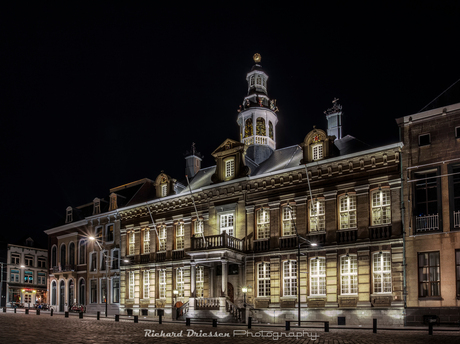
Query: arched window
point(81, 289)
point(53, 292)
point(62, 256)
point(71, 253)
point(270, 130)
point(248, 131)
point(82, 252)
point(71, 292)
point(53, 256)
point(260, 127)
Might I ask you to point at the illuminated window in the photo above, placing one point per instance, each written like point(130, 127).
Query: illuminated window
point(198, 227)
point(146, 284)
point(290, 278)
point(180, 236)
point(317, 151)
point(226, 224)
point(28, 277)
point(349, 275)
point(103, 290)
point(162, 236)
point(288, 220)
point(131, 284)
point(199, 281)
point(381, 211)
point(164, 190)
point(263, 279)
point(229, 168)
point(131, 243)
point(347, 211)
point(147, 240)
point(382, 272)
point(429, 274)
point(180, 282)
point(263, 223)
point(317, 217)
point(162, 284)
point(318, 276)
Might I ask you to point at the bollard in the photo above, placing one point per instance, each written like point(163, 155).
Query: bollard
point(187, 321)
point(4, 309)
point(326, 326)
point(160, 320)
point(136, 319)
point(27, 311)
point(66, 314)
point(52, 310)
point(80, 315)
point(214, 322)
point(288, 325)
point(98, 315)
point(117, 317)
point(249, 322)
point(374, 329)
point(38, 311)
point(430, 328)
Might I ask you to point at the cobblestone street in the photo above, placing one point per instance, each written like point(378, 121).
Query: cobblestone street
point(32, 328)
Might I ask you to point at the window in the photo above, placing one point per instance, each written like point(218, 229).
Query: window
point(82, 252)
point(29, 260)
point(109, 233)
point(62, 256)
point(457, 263)
point(180, 236)
point(71, 292)
point(424, 140)
point(115, 290)
point(53, 256)
point(288, 219)
point(131, 284)
point(53, 293)
point(28, 277)
point(317, 151)
point(199, 281)
point(96, 206)
point(146, 284)
point(93, 291)
point(426, 201)
point(381, 211)
point(290, 278)
point(68, 217)
point(198, 227)
point(14, 277)
point(454, 181)
point(41, 278)
point(42, 262)
point(457, 132)
point(147, 240)
point(263, 279)
point(347, 211)
point(71, 253)
point(103, 260)
point(164, 190)
point(229, 168)
point(132, 243)
point(162, 284)
point(349, 275)
point(318, 276)
point(15, 258)
point(180, 282)
point(382, 272)
point(226, 224)
point(93, 260)
point(429, 274)
point(263, 223)
point(82, 292)
point(115, 259)
point(317, 218)
point(162, 236)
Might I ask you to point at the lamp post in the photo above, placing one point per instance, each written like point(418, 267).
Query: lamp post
point(245, 290)
point(107, 266)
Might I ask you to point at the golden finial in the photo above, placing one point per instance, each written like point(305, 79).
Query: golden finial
point(257, 57)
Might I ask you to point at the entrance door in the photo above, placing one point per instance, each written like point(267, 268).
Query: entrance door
point(27, 299)
point(230, 291)
point(61, 296)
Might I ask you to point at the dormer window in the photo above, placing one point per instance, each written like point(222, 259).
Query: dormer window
point(113, 202)
point(317, 151)
point(164, 190)
point(230, 168)
point(69, 217)
point(96, 206)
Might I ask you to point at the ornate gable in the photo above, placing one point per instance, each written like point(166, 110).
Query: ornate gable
point(316, 146)
point(230, 163)
point(164, 185)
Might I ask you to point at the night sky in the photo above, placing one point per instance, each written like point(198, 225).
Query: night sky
point(100, 94)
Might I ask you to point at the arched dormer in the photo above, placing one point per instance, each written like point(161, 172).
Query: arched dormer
point(317, 146)
point(230, 163)
point(164, 185)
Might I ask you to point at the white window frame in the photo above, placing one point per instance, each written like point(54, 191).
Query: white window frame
point(162, 284)
point(349, 275)
point(347, 212)
point(199, 226)
point(381, 207)
point(381, 273)
point(263, 223)
point(317, 151)
point(290, 278)
point(263, 279)
point(229, 167)
point(180, 236)
point(227, 222)
point(41, 278)
point(131, 243)
point(318, 276)
point(101, 282)
point(162, 238)
point(131, 282)
point(146, 291)
point(16, 258)
point(317, 215)
point(199, 281)
point(15, 275)
point(180, 282)
point(146, 240)
point(288, 218)
point(164, 190)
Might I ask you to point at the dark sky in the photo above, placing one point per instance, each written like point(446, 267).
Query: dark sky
point(100, 94)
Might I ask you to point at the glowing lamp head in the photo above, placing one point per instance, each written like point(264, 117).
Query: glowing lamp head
point(244, 289)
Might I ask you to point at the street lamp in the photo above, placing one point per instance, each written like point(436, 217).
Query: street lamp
point(107, 267)
point(245, 290)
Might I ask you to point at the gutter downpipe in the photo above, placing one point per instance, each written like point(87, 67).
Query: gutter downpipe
point(404, 234)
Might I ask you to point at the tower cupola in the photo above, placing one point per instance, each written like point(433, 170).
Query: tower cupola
point(257, 116)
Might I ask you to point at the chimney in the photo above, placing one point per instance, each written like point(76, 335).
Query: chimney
point(334, 120)
point(192, 162)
